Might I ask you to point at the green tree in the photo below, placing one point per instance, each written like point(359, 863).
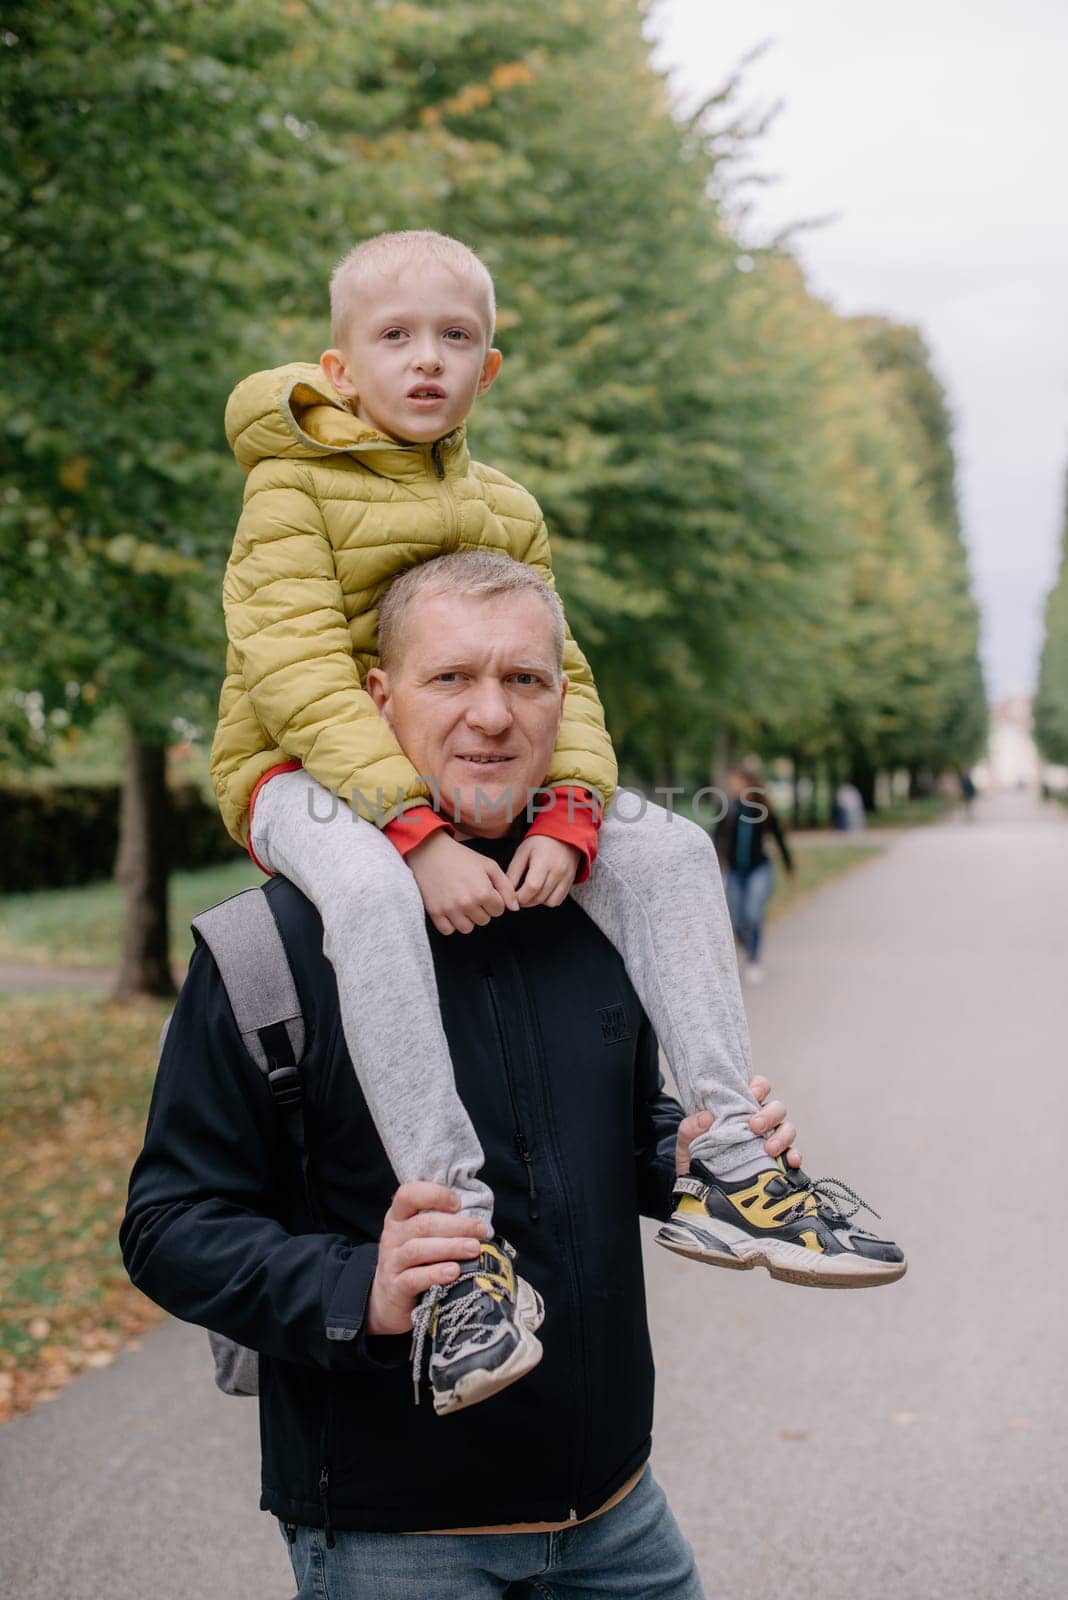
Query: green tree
point(148, 156)
point(1051, 701)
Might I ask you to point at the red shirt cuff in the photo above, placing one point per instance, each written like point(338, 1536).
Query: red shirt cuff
point(574, 817)
point(411, 827)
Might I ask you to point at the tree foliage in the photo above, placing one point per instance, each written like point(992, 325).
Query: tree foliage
point(1051, 702)
point(752, 501)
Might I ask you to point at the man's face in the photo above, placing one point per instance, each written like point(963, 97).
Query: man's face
point(475, 702)
point(417, 353)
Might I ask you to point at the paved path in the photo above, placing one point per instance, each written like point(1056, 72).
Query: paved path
point(19, 977)
point(909, 1443)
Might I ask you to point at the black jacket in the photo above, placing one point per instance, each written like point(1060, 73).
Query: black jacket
point(762, 823)
point(557, 1065)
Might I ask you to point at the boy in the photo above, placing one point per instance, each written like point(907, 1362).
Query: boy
point(357, 471)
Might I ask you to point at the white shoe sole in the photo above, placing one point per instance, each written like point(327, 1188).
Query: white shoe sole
point(481, 1383)
point(789, 1263)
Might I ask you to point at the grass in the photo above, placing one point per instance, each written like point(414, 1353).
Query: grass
point(911, 813)
point(83, 927)
point(816, 865)
point(75, 1081)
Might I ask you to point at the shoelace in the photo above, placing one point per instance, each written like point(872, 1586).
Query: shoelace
point(452, 1321)
point(828, 1194)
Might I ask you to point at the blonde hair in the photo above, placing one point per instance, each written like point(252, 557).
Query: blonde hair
point(388, 253)
point(479, 573)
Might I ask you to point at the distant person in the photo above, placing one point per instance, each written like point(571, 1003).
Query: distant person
point(359, 483)
point(741, 842)
point(968, 793)
point(849, 815)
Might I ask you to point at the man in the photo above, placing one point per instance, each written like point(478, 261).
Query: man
point(543, 1489)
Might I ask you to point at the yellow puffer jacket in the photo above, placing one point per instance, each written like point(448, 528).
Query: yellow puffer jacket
point(333, 512)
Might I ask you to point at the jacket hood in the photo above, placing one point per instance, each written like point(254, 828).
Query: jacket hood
point(294, 412)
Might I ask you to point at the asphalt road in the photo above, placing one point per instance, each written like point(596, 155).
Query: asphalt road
point(906, 1443)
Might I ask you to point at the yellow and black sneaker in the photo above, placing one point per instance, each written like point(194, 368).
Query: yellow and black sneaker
point(481, 1329)
point(798, 1228)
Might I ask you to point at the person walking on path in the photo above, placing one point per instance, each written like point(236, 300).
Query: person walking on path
point(741, 843)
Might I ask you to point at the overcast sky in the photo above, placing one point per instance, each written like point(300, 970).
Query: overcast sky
point(937, 133)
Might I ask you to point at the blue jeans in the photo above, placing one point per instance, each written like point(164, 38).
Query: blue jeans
point(747, 898)
point(633, 1552)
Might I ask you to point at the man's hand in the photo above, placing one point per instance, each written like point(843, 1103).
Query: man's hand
point(543, 870)
point(459, 887)
point(422, 1242)
point(770, 1119)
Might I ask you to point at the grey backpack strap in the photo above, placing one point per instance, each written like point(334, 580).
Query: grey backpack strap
point(247, 948)
point(243, 937)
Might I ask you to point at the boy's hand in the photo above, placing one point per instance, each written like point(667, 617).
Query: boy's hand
point(459, 887)
point(543, 870)
point(770, 1119)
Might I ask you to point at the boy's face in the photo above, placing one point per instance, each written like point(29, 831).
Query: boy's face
point(417, 353)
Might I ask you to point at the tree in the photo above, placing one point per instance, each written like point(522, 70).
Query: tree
point(1051, 701)
point(149, 156)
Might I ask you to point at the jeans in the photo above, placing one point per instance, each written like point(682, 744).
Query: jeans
point(633, 1552)
point(747, 897)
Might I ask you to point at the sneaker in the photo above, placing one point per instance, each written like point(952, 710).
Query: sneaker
point(481, 1329)
point(797, 1228)
point(754, 972)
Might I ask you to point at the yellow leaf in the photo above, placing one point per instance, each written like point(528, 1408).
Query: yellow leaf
point(73, 473)
point(511, 75)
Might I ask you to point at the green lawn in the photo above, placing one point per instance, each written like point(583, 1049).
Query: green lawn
point(83, 927)
point(816, 865)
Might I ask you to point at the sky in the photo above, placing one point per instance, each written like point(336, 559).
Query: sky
point(936, 136)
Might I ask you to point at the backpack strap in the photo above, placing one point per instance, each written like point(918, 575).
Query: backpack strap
point(248, 951)
point(251, 959)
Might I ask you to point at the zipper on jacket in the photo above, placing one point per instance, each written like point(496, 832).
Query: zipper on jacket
point(324, 1501)
point(530, 1033)
point(452, 528)
point(326, 1442)
point(519, 1137)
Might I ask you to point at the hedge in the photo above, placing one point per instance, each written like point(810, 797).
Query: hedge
point(53, 838)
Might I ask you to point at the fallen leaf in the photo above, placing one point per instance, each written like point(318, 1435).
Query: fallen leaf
point(1023, 1423)
point(792, 1433)
point(905, 1417)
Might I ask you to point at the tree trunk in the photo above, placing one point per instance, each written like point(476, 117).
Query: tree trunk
point(721, 758)
point(665, 764)
point(142, 868)
point(863, 775)
point(795, 810)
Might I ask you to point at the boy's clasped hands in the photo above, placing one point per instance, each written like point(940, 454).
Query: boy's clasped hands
point(461, 888)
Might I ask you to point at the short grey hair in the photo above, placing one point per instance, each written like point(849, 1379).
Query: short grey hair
point(479, 573)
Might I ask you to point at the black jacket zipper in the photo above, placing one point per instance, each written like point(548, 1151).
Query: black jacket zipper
point(533, 1043)
point(519, 1137)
